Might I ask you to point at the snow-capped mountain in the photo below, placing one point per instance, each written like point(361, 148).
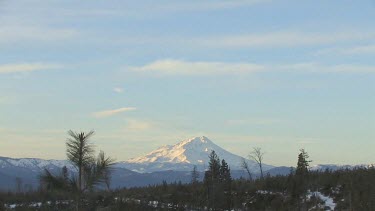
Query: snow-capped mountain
point(184, 155)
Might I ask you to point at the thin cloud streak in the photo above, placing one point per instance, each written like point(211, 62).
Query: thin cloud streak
point(207, 5)
point(11, 34)
point(355, 50)
point(321, 68)
point(180, 67)
point(124, 9)
point(118, 90)
point(254, 121)
point(135, 125)
point(172, 67)
point(26, 67)
point(108, 113)
point(284, 39)
point(265, 40)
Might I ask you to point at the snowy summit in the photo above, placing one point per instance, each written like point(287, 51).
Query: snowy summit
point(183, 156)
point(187, 151)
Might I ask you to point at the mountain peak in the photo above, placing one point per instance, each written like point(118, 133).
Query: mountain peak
point(198, 139)
point(183, 156)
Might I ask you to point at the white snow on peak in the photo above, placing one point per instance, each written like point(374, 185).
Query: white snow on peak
point(179, 153)
point(194, 151)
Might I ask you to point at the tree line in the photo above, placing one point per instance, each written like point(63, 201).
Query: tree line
point(88, 188)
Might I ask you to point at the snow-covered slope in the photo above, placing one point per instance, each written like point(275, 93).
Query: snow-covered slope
point(27, 170)
point(335, 167)
point(34, 164)
point(183, 156)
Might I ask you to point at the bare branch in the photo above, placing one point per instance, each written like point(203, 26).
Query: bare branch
point(245, 166)
point(257, 156)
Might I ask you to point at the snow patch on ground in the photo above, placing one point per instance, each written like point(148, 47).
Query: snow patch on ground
point(328, 201)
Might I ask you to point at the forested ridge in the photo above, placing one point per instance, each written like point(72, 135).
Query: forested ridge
point(350, 189)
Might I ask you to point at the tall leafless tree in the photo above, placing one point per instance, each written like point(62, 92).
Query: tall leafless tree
point(257, 155)
point(246, 167)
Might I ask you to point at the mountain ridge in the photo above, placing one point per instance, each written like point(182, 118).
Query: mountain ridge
point(169, 163)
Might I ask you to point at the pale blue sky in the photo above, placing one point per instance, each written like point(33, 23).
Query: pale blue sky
point(280, 75)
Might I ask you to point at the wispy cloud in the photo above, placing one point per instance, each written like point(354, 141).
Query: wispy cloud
point(108, 113)
point(26, 67)
point(135, 125)
point(180, 67)
point(360, 49)
point(13, 34)
point(170, 66)
point(284, 39)
point(118, 90)
point(304, 141)
point(123, 8)
point(262, 40)
point(206, 5)
point(255, 121)
point(322, 68)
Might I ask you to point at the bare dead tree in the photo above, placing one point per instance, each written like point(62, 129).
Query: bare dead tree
point(257, 156)
point(246, 167)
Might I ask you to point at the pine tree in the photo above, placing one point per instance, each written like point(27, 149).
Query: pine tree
point(65, 173)
point(303, 163)
point(214, 166)
point(80, 152)
point(225, 185)
point(195, 187)
point(194, 175)
point(91, 171)
point(225, 176)
point(211, 179)
point(301, 178)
